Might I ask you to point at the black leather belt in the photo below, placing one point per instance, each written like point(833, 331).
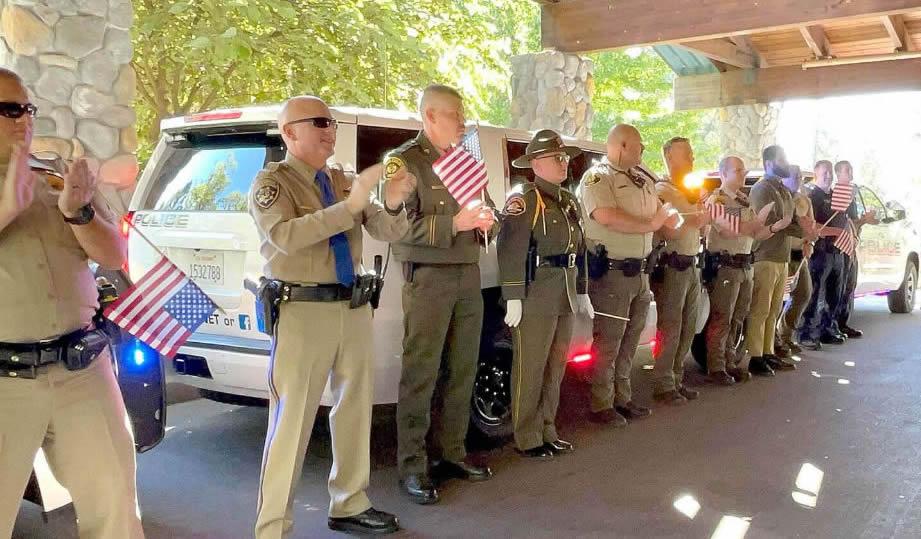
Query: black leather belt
point(678, 262)
point(39, 353)
point(630, 264)
point(557, 261)
point(319, 292)
point(738, 261)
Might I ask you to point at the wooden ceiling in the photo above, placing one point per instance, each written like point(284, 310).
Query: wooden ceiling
point(753, 36)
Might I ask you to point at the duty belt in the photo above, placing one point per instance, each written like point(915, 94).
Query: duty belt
point(678, 262)
point(567, 260)
point(39, 353)
point(317, 292)
point(738, 261)
point(631, 265)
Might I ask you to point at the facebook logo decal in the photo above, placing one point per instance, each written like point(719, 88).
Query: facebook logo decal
point(245, 322)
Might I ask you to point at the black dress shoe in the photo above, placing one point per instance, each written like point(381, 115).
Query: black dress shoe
point(794, 347)
point(608, 417)
point(851, 332)
point(671, 398)
point(810, 343)
point(688, 393)
point(633, 411)
point(759, 367)
point(559, 446)
point(779, 364)
point(372, 522)
point(420, 489)
point(446, 469)
point(721, 378)
point(739, 375)
point(782, 351)
point(541, 452)
point(829, 338)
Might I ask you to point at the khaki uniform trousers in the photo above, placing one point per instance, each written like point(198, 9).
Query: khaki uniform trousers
point(616, 340)
point(799, 299)
point(442, 322)
point(767, 300)
point(676, 306)
point(316, 342)
point(541, 344)
point(78, 418)
point(730, 300)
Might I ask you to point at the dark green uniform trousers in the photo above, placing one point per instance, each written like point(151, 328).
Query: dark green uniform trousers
point(799, 299)
point(442, 321)
point(541, 343)
point(730, 300)
point(676, 308)
point(616, 340)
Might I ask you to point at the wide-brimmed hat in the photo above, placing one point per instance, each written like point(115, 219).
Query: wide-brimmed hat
point(545, 141)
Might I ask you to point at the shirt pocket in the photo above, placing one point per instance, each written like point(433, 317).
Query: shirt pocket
point(439, 201)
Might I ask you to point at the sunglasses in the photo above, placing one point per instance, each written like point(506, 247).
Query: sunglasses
point(15, 111)
point(318, 122)
point(560, 158)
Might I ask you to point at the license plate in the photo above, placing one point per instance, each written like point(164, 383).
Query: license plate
point(207, 267)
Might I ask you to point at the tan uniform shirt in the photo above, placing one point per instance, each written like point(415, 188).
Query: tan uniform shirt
point(46, 285)
point(688, 242)
point(294, 227)
point(608, 186)
point(716, 243)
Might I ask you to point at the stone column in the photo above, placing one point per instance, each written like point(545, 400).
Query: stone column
point(553, 90)
point(74, 56)
point(745, 130)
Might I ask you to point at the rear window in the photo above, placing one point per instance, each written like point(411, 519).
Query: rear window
point(213, 176)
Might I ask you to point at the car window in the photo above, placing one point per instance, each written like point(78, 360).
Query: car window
point(869, 201)
point(213, 176)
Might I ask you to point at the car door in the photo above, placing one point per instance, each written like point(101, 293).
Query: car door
point(881, 253)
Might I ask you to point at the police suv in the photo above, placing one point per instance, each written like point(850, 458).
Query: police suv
point(190, 204)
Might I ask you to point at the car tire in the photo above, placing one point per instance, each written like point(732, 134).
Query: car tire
point(902, 299)
point(491, 406)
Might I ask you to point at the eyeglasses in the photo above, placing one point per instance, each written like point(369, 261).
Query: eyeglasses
point(14, 111)
point(319, 122)
point(560, 158)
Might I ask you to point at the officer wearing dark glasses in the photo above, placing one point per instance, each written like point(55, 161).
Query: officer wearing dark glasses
point(57, 388)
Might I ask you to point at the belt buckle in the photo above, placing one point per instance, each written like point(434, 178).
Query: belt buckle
point(571, 260)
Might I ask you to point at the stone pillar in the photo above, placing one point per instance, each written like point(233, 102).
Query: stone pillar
point(553, 90)
point(74, 56)
point(745, 130)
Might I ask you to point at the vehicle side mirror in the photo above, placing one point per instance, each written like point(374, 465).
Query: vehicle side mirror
point(894, 212)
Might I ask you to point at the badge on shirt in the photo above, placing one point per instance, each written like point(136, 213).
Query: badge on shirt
point(592, 179)
point(392, 165)
point(266, 196)
point(515, 205)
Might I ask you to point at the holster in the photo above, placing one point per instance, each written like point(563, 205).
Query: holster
point(598, 262)
point(711, 267)
point(268, 299)
point(366, 289)
point(81, 352)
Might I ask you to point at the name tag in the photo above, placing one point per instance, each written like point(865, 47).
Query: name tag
point(437, 187)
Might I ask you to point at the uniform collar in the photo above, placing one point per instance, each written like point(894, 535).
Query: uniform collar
point(551, 189)
point(431, 152)
point(309, 173)
point(616, 168)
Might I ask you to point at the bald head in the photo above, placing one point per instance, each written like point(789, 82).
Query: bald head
point(304, 140)
point(18, 130)
point(625, 146)
point(732, 173)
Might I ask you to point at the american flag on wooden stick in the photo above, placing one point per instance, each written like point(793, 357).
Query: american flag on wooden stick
point(847, 240)
point(719, 211)
point(462, 170)
point(841, 196)
point(162, 309)
point(790, 284)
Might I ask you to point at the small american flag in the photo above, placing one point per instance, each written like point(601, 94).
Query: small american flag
point(162, 309)
point(841, 196)
point(462, 170)
point(718, 211)
point(847, 240)
point(790, 284)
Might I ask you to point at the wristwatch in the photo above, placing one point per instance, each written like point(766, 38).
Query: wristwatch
point(83, 217)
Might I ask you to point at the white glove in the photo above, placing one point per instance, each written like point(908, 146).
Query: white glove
point(585, 305)
point(513, 313)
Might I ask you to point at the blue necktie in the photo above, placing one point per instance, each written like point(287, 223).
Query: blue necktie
point(345, 270)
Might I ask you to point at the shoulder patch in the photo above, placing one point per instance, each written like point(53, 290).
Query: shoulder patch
point(592, 178)
point(392, 165)
point(266, 195)
point(515, 205)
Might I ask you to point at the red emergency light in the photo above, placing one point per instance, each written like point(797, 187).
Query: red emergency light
point(214, 116)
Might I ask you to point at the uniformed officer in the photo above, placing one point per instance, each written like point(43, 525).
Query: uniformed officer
point(676, 283)
point(772, 257)
point(729, 272)
point(826, 267)
point(538, 248)
point(442, 305)
point(622, 212)
point(310, 217)
point(49, 302)
point(800, 251)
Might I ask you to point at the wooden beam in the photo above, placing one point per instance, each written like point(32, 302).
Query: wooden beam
point(745, 45)
point(895, 27)
point(723, 50)
point(593, 25)
point(749, 86)
point(816, 39)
